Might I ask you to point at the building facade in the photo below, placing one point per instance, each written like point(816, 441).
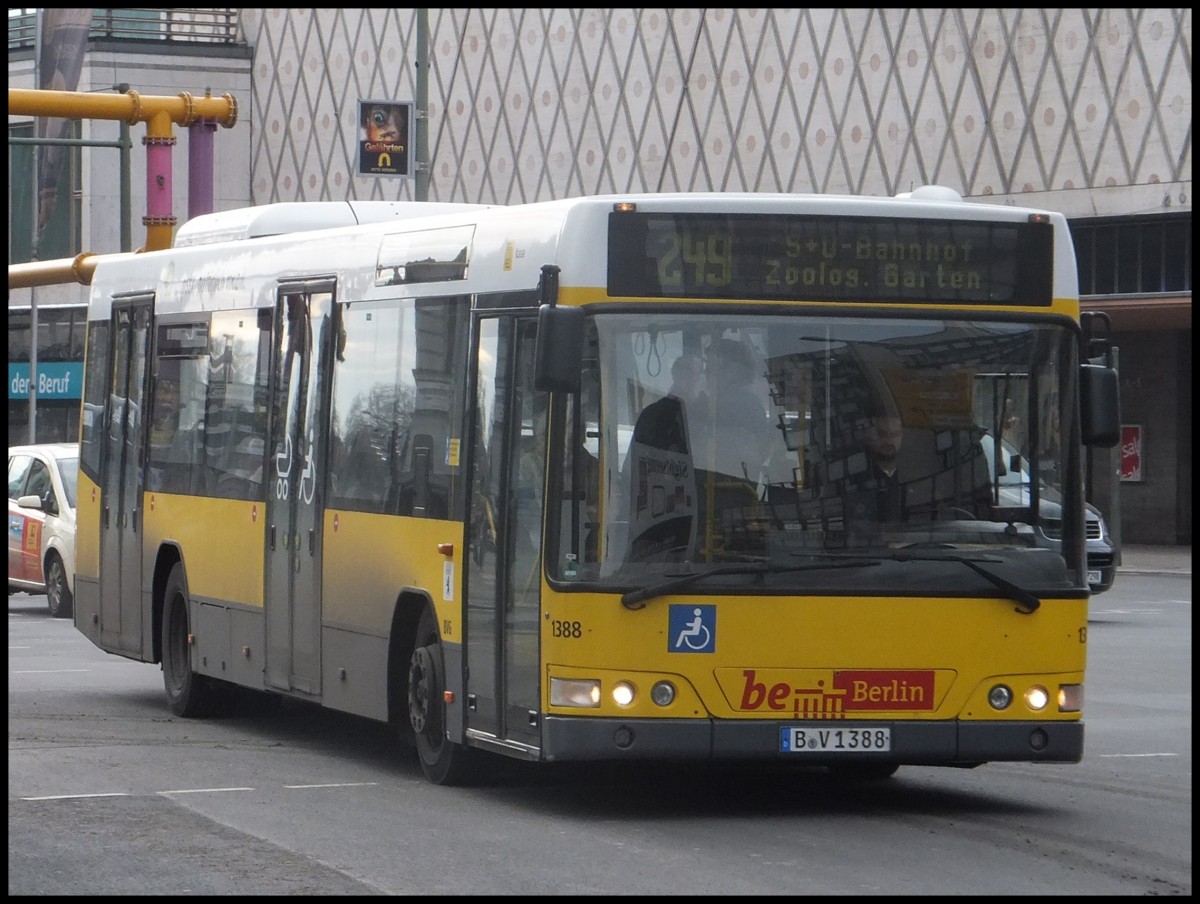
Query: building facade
point(1086, 111)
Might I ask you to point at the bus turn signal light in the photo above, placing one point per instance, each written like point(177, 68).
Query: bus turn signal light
point(578, 692)
point(1070, 698)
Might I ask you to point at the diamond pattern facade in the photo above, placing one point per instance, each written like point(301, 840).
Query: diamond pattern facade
point(1085, 111)
point(531, 104)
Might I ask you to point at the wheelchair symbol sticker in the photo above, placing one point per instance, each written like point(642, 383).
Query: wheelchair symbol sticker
point(692, 629)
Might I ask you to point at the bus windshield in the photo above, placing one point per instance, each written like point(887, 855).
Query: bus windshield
point(779, 441)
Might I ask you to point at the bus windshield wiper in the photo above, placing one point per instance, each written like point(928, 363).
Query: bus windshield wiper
point(1028, 602)
point(635, 599)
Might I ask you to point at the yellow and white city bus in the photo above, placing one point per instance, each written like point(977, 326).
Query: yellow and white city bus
point(426, 464)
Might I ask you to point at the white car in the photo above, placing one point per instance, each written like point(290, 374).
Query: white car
point(42, 482)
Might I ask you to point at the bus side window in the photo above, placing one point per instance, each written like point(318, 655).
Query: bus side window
point(360, 475)
point(420, 493)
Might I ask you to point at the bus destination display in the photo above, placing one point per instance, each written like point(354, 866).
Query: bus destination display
point(827, 258)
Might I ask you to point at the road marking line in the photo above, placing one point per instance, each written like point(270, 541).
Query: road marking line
point(77, 796)
point(1135, 754)
point(193, 791)
point(46, 671)
point(334, 785)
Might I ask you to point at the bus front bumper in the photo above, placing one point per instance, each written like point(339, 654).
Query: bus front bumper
point(954, 743)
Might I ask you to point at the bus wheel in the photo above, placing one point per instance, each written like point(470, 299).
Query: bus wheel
point(58, 594)
point(188, 694)
point(443, 761)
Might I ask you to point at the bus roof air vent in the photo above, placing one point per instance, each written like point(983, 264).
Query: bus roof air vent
point(931, 193)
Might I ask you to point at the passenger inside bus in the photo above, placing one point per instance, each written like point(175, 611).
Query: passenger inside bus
point(528, 488)
point(877, 492)
point(674, 422)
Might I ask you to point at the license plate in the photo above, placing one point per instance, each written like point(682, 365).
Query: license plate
point(1093, 577)
point(863, 739)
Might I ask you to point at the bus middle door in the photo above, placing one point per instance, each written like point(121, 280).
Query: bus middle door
point(299, 400)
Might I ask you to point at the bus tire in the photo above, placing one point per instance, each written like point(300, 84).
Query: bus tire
point(58, 594)
point(443, 761)
point(188, 694)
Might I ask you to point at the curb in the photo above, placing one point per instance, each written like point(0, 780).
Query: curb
point(1155, 571)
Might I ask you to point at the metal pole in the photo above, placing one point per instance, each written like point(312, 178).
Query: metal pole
point(67, 142)
point(126, 181)
point(33, 247)
point(1114, 506)
point(33, 344)
point(421, 164)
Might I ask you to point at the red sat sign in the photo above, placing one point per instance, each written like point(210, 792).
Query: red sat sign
point(1131, 452)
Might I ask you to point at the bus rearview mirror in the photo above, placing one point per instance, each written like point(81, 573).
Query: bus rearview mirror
point(559, 349)
point(1099, 405)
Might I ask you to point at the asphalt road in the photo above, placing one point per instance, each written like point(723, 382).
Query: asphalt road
point(111, 794)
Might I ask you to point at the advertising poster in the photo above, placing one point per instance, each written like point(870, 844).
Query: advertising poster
point(384, 137)
point(1131, 453)
point(63, 41)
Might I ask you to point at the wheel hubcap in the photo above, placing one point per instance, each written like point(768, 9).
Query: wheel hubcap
point(420, 691)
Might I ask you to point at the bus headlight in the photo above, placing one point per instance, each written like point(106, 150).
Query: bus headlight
point(578, 692)
point(1036, 698)
point(1000, 696)
point(622, 693)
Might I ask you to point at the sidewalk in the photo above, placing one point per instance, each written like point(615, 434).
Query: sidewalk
point(1155, 560)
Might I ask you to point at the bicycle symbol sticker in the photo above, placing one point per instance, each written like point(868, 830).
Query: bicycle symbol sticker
point(692, 629)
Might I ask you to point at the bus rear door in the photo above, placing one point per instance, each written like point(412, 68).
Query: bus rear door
point(121, 626)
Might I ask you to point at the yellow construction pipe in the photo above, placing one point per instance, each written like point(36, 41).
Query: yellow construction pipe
point(158, 112)
point(183, 109)
point(54, 273)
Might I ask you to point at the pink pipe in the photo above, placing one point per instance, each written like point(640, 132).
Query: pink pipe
point(158, 179)
point(200, 167)
point(159, 219)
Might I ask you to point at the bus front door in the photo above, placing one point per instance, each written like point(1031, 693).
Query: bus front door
point(121, 484)
point(299, 396)
point(504, 544)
